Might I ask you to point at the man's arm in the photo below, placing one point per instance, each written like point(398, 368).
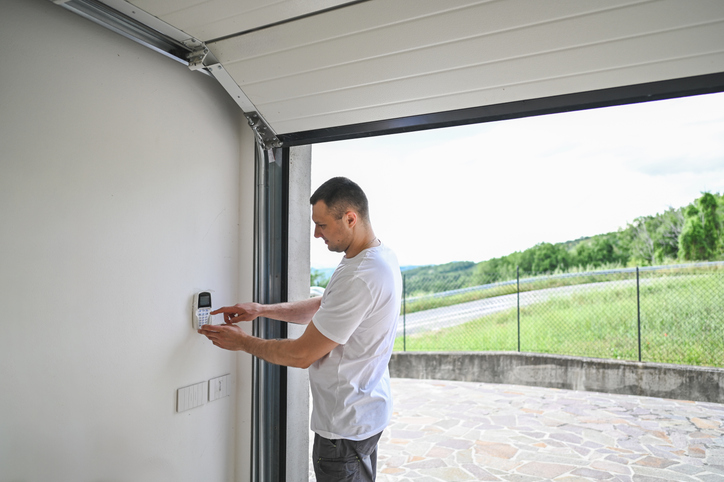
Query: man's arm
point(300, 352)
point(299, 312)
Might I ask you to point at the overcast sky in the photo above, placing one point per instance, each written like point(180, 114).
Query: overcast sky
point(476, 192)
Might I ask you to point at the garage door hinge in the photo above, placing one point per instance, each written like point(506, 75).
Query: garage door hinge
point(264, 134)
point(196, 58)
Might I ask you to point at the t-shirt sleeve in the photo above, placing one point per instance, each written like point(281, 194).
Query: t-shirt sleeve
point(344, 306)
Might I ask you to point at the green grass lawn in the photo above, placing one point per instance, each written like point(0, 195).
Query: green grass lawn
point(682, 322)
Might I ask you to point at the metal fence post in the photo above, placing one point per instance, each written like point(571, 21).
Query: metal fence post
point(517, 276)
point(638, 309)
point(404, 314)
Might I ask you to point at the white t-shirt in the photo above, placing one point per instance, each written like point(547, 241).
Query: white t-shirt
point(351, 385)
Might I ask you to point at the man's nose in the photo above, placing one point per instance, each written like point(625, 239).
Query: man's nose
point(317, 233)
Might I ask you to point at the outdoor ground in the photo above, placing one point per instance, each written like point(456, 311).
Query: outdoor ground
point(456, 431)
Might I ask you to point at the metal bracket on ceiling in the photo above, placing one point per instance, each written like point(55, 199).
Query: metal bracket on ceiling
point(196, 58)
point(264, 134)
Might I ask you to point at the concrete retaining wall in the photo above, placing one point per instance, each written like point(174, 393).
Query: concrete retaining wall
point(573, 373)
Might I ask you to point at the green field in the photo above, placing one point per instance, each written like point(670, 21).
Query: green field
point(682, 322)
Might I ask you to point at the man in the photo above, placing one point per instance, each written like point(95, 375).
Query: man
point(348, 340)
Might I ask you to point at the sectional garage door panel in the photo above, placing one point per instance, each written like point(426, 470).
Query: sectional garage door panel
point(540, 88)
point(383, 60)
point(211, 19)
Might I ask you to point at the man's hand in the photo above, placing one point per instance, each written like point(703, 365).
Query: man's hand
point(228, 337)
point(298, 352)
point(239, 312)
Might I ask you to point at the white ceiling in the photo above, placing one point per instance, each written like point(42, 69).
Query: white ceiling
point(387, 59)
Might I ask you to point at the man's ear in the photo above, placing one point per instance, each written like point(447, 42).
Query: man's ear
point(351, 218)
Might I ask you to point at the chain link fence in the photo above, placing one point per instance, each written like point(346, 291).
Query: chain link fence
point(667, 314)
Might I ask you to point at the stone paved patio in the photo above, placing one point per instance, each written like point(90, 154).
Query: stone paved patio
point(457, 431)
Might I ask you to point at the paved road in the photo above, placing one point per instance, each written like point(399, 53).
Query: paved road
point(458, 314)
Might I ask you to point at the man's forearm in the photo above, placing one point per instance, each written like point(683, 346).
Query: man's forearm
point(299, 352)
point(279, 352)
point(299, 312)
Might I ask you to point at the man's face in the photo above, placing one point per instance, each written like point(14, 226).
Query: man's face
point(336, 233)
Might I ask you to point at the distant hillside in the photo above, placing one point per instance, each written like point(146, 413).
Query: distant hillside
point(690, 233)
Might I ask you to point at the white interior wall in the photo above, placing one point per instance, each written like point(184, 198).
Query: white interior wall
point(120, 188)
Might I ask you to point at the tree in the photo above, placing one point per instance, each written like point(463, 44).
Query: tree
point(708, 206)
point(700, 237)
point(496, 269)
point(549, 257)
point(666, 235)
point(599, 250)
point(641, 243)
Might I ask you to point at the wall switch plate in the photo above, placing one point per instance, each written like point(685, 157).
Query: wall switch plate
point(190, 397)
point(219, 387)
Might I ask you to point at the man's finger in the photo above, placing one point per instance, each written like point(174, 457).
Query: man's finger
point(209, 329)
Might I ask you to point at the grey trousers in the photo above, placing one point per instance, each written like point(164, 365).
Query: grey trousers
point(345, 460)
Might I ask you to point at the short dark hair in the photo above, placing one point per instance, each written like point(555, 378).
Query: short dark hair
point(340, 194)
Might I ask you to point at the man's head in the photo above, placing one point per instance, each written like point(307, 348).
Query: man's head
point(340, 195)
point(341, 214)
